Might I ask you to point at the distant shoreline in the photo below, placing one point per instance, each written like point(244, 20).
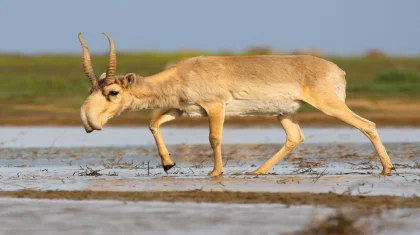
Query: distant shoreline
point(395, 119)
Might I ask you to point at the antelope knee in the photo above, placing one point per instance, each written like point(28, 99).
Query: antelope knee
point(154, 129)
point(293, 143)
point(370, 130)
point(215, 141)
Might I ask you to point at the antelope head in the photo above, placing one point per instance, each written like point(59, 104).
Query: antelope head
point(109, 94)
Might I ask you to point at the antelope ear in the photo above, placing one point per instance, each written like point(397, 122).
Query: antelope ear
point(129, 79)
point(102, 76)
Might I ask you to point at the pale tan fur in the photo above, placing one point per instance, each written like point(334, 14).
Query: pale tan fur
point(216, 87)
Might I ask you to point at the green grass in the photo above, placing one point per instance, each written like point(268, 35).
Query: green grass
point(59, 79)
point(397, 77)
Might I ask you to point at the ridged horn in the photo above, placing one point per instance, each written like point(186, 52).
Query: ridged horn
point(87, 64)
point(112, 61)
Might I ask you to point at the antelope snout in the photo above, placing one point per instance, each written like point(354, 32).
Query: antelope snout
point(88, 123)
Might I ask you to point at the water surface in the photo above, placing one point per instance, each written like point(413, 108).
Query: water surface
point(23, 137)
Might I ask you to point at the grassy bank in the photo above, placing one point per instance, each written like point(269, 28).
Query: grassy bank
point(55, 84)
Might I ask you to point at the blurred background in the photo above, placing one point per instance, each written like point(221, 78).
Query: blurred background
point(42, 84)
point(376, 42)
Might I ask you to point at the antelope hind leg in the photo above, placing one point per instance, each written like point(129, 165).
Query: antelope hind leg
point(293, 138)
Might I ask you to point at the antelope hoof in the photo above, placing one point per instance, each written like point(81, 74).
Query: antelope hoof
point(387, 170)
point(166, 168)
point(214, 173)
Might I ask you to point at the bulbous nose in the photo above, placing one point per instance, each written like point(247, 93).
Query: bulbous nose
point(93, 112)
point(85, 122)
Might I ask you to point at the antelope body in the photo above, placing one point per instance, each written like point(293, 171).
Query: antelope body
point(219, 86)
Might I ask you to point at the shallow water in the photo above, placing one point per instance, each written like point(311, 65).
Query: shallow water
point(352, 168)
point(56, 158)
point(45, 137)
point(116, 217)
point(340, 160)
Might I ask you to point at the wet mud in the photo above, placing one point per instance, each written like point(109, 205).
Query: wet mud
point(327, 199)
point(123, 189)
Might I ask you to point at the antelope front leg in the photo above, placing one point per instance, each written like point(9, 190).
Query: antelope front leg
point(170, 115)
point(216, 115)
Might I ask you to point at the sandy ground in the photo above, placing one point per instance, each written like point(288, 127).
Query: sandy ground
point(384, 112)
point(381, 118)
point(332, 200)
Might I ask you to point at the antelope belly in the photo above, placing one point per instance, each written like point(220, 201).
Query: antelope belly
point(249, 108)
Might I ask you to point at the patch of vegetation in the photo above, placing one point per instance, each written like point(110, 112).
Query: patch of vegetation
point(397, 77)
point(391, 83)
point(87, 172)
point(384, 90)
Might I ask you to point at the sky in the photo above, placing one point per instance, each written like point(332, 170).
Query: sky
point(331, 26)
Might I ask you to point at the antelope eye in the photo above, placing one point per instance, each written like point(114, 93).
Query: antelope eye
point(113, 93)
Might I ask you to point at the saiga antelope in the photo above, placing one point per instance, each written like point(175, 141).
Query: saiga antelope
point(219, 86)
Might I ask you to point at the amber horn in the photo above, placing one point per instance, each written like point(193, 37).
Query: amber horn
point(112, 61)
point(87, 64)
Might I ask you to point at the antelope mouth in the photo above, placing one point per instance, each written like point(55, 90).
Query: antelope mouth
point(89, 128)
point(87, 123)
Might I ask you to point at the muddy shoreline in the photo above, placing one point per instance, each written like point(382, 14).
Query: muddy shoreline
point(327, 199)
point(396, 119)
